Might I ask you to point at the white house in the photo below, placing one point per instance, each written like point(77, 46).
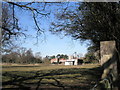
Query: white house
point(73, 62)
point(70, 62)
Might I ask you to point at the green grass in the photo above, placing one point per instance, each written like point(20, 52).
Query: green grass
point(57, 76)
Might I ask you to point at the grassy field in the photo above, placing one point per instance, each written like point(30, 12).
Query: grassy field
point(82, 77)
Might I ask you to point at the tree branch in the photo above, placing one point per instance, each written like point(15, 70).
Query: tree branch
point(36, 22)
point(29, 8)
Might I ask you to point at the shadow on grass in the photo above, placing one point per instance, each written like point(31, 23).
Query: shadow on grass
point(60, 79)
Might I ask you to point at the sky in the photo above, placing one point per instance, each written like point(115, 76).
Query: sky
point(54, 45)
point(48, 44)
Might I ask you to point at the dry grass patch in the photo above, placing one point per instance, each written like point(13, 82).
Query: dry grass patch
point(50, 75)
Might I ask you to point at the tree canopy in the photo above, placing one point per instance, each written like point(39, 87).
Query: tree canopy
point(11, 28)
point(91, 21)
point(85, 21)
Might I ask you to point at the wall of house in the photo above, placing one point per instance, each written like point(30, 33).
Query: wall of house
point(69, 63)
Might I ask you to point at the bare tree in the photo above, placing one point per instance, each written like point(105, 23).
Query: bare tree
point(10, 24)
point(10, 27)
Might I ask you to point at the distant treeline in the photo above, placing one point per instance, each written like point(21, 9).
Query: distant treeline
point(22, 56)
point(60, 56)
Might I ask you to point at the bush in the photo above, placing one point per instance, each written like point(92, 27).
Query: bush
point(90, 58)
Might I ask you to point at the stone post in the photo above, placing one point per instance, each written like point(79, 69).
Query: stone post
point(109, 60)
